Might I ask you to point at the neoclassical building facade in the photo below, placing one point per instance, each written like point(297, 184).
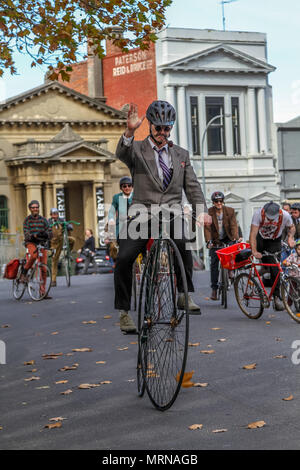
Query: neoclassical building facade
point(57, 146)
point(219, 79)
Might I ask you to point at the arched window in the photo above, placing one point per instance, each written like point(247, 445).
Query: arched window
point(3, 213)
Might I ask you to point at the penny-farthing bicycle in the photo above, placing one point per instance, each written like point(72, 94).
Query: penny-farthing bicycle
point(163, 328)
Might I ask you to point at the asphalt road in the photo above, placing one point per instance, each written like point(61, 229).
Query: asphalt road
point(112, 416)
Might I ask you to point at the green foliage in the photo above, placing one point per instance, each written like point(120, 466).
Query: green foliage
point(52, 32)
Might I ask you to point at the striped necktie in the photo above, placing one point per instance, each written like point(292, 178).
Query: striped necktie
point(167, 172)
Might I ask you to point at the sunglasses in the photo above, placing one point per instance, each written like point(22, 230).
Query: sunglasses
point(164, 128)
point(126, 185)
point(34, 207)
point(218, 200)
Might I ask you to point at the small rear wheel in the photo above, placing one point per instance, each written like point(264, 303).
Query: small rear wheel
point(18, 287)
point(249, 295)
point(224, 287)
point(67, 265)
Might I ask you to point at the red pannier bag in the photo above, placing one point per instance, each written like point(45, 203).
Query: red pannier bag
point(227, 255)
point(11, 269)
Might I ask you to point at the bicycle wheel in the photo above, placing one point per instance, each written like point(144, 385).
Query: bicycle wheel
point(18, 287)
point(67, 266)
point(224, 287)
point(290, 294)
point(249, 296)
point(163, 329)
point(39, 281)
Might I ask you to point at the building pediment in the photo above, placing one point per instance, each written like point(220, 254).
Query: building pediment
point(220, 58)
point(265, 197)
point(52, 152)
point(54, 102)
point(233, 198)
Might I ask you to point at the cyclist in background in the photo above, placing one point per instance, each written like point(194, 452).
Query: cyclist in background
point(223, 230)
point(267, 226)
point(57, 240)
point(295, 213)
point(120, 204)
point(89, 250)
point(36, 230)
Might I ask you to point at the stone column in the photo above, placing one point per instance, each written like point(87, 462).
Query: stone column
point(252, 122)
point(19, 207)
point(182, 117)
point(34, 191)
point(88, 206)
point(48, 199)
point(262, 120)
point(171, 98)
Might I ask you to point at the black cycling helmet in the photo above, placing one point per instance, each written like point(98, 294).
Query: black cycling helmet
point(217, 195)
point(125, 180)
point(161, 113)
point(296, 206)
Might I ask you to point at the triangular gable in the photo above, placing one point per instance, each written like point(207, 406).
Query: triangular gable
point(233, 198)
point(62, 89)
point(219, 58)
point(265, 197)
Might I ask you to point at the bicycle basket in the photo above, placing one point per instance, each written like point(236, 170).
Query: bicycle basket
point(234, 256)
point(11, 269)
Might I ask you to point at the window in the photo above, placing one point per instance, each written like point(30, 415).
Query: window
point(3, 213)
point(195, 125)
point(216, 130)
point(236, 126)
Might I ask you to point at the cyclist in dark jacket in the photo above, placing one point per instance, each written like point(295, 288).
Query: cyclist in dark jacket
point(88, 250)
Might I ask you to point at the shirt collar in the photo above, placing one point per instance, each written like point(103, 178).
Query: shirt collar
point(165, 147)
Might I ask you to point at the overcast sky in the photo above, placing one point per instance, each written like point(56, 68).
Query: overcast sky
point(279, 19)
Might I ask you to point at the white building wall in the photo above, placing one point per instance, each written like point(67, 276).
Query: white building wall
point(250, 179)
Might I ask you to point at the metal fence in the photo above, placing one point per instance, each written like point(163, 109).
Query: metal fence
point(11, 246)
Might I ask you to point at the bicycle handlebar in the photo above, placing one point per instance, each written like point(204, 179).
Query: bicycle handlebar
point(65, 222)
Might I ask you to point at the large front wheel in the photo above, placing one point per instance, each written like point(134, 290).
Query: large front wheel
point(163, 328)
point(39, 281)
point(249, 295)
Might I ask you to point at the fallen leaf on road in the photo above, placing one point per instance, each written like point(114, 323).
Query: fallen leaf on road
point(41, 388)
point(66, 392)
point(54, 425)
point(82, 350)
point(55, 333)
point(51, 356)
point(133, 342)
point(131, 380)
point(57, 419)
point(32, 378)
point(73, 302)
point(219, 430)
point(123, 349)
point(222, 340)
point(73, 367)
point(86, 386)
point(291, 397)
point(32, 370)
point(101, 362)
point(280, 356)
point(61, 382)
point(207, 351)
point(5, 326)
point(196, 426)
point(268, 323)
point(217, 328)
point(194, 344)
point(1, 428)
point(105, 382)
point(256, 424)
point(29, 363)
point(89, 322)
point(107, 317)
point(250, 366)
point(198, 384)
point(278, 339)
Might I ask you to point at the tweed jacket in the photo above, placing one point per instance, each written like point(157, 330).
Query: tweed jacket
point(230, 225)
point(148, 189)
